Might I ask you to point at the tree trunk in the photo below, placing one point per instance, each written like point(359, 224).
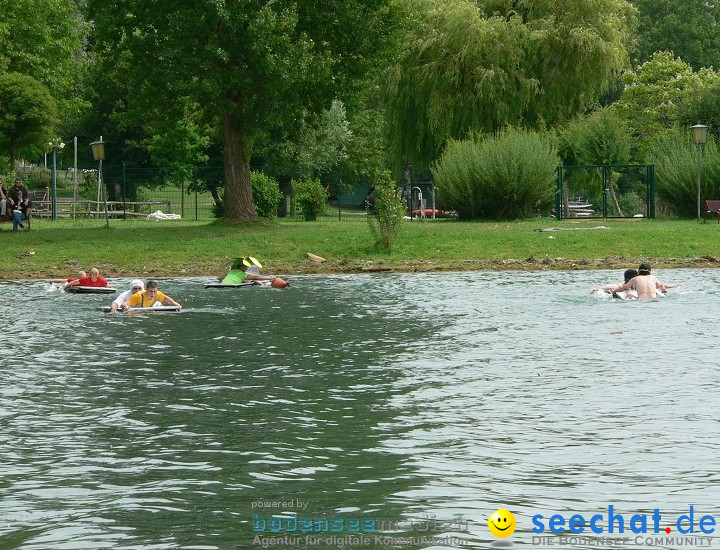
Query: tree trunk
point(238, 203)
point(613, 196)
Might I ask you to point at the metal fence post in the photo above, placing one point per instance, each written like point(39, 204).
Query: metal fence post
point(124, 191)
point(605, 190)
point(558, 193)
point(650, 176)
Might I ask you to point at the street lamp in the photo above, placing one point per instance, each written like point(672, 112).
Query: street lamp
point(98, 151)
point(699, 137)
point(55, 144)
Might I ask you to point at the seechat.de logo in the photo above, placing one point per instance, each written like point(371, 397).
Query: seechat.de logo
point(502, 523)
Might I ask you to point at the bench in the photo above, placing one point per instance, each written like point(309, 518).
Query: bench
point(26, 222)
point(712, 207)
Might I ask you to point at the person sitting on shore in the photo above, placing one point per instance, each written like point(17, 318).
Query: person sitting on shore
point(3, 199)
point(151, 297)
point(245, 268)
point(93, 280)
point(135, 286)
point(645, 283)
point(19, 203)
point(618, 290)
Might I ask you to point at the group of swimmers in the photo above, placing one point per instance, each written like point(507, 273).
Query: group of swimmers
point(245, 268)
point(638, 284)
point(139, 295)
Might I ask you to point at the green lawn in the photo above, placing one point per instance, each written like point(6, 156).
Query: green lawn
point(144, 247)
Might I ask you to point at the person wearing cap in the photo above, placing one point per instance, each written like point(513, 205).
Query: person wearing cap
point(618, 288)
point(645, 283)
point(245, 268)
point(136, 285)
point(19, 202)
point(151, 297)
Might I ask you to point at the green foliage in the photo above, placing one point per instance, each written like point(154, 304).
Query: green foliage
point(509, 176)
point(702, 107)
point(651, 102)
point(598, 138)
point(178, 144)
point(311, 197)
point(320, 146)
point(676, 172)
point(386, 221)
point(266, 194)
point(484, 64)
point(28, 113)
point(250, 68)
point(690, 29)
point(44, 39)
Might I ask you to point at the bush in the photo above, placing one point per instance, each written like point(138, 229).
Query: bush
point(512, 175)
point(598, 138)
point(385, 222)
point(311, 197)
point(676, 172)
point(266, 194)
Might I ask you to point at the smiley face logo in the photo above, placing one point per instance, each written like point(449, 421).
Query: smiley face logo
point(502, 523)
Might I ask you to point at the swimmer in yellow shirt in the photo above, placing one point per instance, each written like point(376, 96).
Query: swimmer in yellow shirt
point(148, 298)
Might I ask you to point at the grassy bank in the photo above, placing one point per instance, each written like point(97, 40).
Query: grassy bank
point(162, 248)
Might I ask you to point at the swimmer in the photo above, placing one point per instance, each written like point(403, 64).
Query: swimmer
point(645, 283)
point(618, 290)
point(79, 275)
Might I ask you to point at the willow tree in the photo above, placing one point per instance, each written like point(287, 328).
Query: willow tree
point(247, 65)
point(484, 64)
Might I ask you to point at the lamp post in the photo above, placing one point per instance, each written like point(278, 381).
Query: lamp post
point(54, 145)
point(98, 151)
point(699, 137)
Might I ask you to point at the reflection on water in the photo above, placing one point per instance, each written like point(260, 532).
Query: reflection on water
point(395, 396)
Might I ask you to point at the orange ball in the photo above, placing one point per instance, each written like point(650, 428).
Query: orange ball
point(277, 282)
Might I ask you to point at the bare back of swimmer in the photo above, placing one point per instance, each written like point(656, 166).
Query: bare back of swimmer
point(645, 284)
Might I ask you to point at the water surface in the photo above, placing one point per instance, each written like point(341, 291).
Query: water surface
point(395, 396)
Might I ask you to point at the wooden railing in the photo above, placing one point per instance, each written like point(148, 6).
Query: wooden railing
point(89, 208)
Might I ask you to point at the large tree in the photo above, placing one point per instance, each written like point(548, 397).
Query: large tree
point(43, 39)
point(28, 113)
point(688, 28)
point(481, 65)
point(655, 96)
point(247, 65)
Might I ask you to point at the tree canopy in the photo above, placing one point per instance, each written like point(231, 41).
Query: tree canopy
point(654, 95)
point(28, 113)
point(690, 29)
point(44, 39)
point(484, 64)
point(245, 65)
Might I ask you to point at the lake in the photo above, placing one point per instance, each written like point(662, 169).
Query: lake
point(399, 405)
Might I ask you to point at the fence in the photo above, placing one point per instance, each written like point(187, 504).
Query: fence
point(133, 192)
point(605, 191)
